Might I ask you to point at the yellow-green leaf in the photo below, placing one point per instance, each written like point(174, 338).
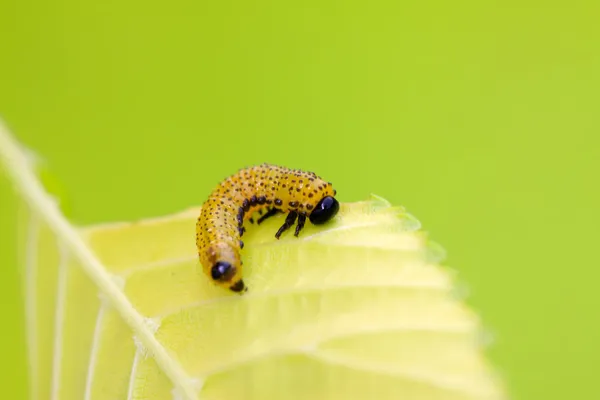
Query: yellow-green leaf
point(358, 308)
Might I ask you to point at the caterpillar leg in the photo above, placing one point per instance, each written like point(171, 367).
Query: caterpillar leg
point(289, 221)
point(301, 221)
point(269, 213)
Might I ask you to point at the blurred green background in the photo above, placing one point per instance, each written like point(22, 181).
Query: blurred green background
point(481, 118)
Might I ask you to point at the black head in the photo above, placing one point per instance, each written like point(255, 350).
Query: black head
point(222, 271)
point(326, 209)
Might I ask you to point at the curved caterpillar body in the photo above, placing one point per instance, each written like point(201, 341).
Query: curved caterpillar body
point(264, 187)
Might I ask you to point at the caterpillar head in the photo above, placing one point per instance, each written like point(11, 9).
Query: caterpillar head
point(326, 209)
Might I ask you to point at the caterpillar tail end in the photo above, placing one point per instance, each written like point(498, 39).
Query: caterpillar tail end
point(239, 287)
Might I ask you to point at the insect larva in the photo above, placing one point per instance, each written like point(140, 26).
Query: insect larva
point(263, 188)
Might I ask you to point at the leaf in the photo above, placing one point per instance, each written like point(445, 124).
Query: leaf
point(359, 308)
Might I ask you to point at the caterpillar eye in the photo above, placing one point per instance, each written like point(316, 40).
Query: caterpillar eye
point(326, 209)
point(221, 270)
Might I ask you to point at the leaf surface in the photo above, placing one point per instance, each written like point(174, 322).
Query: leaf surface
point(358, 308)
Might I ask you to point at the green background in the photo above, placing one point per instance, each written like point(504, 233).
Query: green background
point(482, 119)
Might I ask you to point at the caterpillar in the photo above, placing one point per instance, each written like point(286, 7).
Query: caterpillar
point(264, 188)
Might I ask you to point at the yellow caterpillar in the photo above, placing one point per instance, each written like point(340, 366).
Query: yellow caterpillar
point(264, 187)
